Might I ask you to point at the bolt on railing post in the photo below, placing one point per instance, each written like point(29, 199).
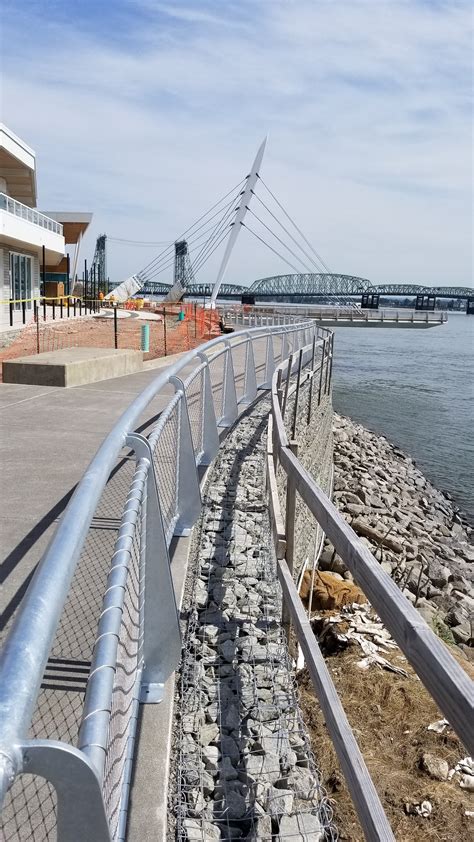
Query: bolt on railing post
point(189, 493)
point(229, 404)
point(250, 376)
point(290, 512)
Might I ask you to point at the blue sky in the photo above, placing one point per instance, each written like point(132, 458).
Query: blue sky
point(145, 112)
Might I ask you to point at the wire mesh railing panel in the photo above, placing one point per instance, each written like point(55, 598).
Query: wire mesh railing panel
point(216, 373)
point(59, 706)
point(125, 694)
point(29, 811)
point(259, 352)
point(165, 445)
point(194, 387)
point(239, 358)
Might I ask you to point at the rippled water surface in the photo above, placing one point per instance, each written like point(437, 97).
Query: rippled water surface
point(417, 388)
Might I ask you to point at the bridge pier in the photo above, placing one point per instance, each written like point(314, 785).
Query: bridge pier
point(470, 306)
point(370, 301)
point(425, 302)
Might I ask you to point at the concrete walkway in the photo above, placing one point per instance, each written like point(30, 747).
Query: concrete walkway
point(47, 438)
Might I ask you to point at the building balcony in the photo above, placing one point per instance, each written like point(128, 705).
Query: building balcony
point(20, 224)
point(30, 214)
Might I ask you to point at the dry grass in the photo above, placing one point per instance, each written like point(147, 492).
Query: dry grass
point(389, 715)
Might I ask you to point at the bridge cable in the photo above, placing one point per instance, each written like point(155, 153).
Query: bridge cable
point(221, 240)
point(153, 266)
point(163, 262)
point(271, 248)
point(298, 229)
point(216, 234)
point(313, 261)
point(202, 217)
point(280, 240)
point(123, 241)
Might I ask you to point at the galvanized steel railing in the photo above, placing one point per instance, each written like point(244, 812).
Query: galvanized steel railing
point(138, 641)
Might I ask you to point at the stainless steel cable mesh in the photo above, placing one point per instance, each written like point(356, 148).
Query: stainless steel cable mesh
point(166, 462)
point(194, 388)
point(29, 811)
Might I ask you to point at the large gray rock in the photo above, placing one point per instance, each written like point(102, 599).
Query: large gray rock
point(304, 827)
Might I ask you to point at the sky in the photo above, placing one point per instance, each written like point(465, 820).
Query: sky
point(146, 112)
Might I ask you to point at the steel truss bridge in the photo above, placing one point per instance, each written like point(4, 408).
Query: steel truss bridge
point(304, 286)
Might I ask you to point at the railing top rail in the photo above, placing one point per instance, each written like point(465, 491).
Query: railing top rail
point(16, 208)
point(443, 677)
point(26, 650)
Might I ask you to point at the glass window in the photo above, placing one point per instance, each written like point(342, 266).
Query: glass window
point(20, 279)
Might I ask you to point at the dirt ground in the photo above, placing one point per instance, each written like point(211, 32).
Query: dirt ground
point(390, 715)
point(99, 333)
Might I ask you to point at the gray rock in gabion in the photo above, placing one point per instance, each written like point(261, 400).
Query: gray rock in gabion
point(201, 831)
point(304, 827)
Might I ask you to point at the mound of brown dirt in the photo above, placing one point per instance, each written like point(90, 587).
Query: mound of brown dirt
point(390, 715)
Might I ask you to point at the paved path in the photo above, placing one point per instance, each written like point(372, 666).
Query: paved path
point(48, 436)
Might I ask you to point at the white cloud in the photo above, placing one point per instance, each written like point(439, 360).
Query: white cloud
point(366, 103)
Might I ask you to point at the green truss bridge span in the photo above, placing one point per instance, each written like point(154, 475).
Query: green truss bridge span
point(301, 287)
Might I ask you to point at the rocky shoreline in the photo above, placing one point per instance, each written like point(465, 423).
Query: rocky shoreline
point(412, 528)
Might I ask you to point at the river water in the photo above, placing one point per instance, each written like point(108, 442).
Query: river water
point(416, 387)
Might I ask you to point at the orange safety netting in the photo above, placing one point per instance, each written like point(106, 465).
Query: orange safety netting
point(170, 335)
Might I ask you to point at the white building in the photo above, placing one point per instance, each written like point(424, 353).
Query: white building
point(32, 244)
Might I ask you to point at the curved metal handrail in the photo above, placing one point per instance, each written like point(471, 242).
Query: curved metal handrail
point(27, 647)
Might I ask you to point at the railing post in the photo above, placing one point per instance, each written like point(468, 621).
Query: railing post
point(210, 433)
point(189, 494)
point(115, 328)
point(310, 396)
point(23, 311)
point(250, 377)
point(297, 393)
point(331, 357)
point(229, 408)
point(11, 312)
point(160, 628)
point(269, 363)
point(290, 511)
point(326, 378)
point(321, 369)
point(80, 806)
point(287, 386)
